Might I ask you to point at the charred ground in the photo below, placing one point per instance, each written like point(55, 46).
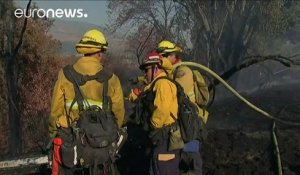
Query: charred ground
point(238, 139)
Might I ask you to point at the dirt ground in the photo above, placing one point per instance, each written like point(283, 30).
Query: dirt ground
point(238, 139)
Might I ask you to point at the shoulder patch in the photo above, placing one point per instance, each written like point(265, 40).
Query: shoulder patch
point(179, 74)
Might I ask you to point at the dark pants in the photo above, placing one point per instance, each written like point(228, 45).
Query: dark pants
point(191, 163)
point(112, 170)
point(159, 167)
point(65, 171)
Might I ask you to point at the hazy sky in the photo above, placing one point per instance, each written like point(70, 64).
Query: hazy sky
point(96, 9)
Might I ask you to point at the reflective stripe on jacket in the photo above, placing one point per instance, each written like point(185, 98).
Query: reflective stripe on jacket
point(86, 104)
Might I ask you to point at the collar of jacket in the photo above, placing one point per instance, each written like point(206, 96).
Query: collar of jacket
point(88, 65)
point(162, 74)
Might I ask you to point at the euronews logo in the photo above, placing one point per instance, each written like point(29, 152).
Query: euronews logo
point(50, 13)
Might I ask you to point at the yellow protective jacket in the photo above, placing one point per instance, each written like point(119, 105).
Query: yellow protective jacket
point(165, 102)
point(184, 76)
point(63, 94)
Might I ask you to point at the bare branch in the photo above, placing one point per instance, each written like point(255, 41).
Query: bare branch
point(155, 22)
point(251, 60)
point(296, 55)
point(165, 14)
point(248, 36)
point(222, 28)
point(204, 18)
point(160, 13)
point(140, 49)
point(171, 5)
point(22, 32)
point(243, 5)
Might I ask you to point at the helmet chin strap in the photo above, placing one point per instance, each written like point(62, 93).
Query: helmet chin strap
point(154, 71)
point(152, 75)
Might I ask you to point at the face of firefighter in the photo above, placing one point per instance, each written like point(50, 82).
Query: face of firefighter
point(99, 56)
point(151, 72)
point(148, 73)
point(172, 58)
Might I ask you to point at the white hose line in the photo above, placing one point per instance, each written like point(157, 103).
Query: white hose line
point(213, 74)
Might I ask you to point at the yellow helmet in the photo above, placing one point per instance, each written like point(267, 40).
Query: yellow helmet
point(92, 41)
point(165, 47)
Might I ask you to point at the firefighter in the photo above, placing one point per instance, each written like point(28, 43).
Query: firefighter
point(170, 53)
point(191, 157)
point(160, 102)
point(93, 46)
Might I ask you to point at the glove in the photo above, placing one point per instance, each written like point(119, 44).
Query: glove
point(192, 146)
point(134, 94)
point(62, 121)
point(137, 91)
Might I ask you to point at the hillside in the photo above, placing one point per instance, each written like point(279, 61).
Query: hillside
point(70, 32)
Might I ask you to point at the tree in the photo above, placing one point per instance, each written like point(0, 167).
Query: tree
point(217, 33)
point(163, 18)
point(141, 42)
point(29, 62)
point(38, 65)
point(225, 29)
point(11, 71)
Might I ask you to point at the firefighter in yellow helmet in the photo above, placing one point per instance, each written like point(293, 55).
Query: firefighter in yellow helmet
point(63, 111)
point(158, 103)
point(166, 47)
point(184, 76)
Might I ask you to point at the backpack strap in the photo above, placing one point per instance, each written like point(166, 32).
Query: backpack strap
point(159, 78)
point(178, 86)
point(106, 99)
point(175, 73)
point(101, 76)
point(78, 80)
point(164, 131)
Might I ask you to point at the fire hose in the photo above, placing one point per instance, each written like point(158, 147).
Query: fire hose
point(249, 104)
point(216, 76)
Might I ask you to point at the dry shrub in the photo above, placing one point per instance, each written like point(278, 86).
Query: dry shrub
point(125, 69)
point(36, 90)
